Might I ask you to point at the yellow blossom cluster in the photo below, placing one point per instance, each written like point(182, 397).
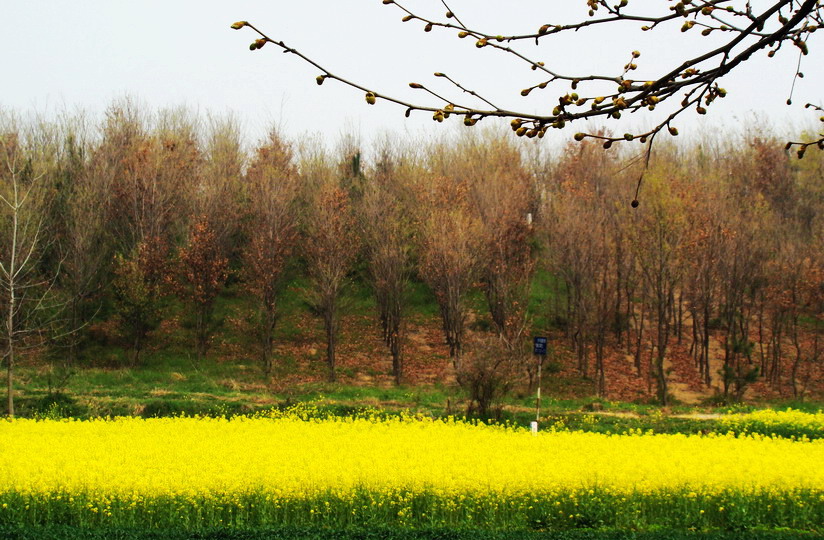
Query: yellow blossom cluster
point(770, 422)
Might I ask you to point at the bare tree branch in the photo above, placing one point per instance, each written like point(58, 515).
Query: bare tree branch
point(694, 79)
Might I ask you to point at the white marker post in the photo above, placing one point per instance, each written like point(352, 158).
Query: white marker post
point(538, 396)
point(539, 350)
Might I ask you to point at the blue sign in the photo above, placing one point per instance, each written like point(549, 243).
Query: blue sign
point(539, 346)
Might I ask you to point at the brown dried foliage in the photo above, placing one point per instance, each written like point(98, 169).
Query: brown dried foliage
point(331, 245)
point(201, 275)
point(272, 189)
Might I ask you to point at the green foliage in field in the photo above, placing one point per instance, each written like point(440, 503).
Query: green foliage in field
point(71, 533)
point(578, 509)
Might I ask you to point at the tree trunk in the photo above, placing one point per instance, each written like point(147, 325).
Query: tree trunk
point(199, 337)
point(798, 356)
point(10, 379)
point(397, 360)
point(761, 338)
point(705, 346)
point(660, 373)
point(599, 366)
point(267, 353)
point(638, 339)
point(269, 322)
point(619, 327)
point(331, 341)
point(12, 306)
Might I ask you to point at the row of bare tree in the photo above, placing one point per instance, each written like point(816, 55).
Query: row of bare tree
point(726, 243)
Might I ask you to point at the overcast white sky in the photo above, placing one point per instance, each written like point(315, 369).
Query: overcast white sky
point(83, 54)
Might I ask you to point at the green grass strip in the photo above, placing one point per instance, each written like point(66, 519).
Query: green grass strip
point(72, 533)
point(365, 510)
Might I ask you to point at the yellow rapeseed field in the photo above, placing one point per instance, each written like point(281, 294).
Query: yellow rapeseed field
point(770, 421)
point(130, 469)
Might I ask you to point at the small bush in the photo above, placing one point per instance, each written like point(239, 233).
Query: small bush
point(488, 374)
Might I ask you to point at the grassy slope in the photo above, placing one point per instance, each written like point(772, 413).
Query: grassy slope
point(231, 380)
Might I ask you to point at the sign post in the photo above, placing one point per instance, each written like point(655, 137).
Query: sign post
point(539, 350)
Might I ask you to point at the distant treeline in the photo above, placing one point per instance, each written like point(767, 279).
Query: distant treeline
point(726, 242)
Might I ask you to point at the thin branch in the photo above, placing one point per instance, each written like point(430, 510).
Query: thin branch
point(700, 86)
